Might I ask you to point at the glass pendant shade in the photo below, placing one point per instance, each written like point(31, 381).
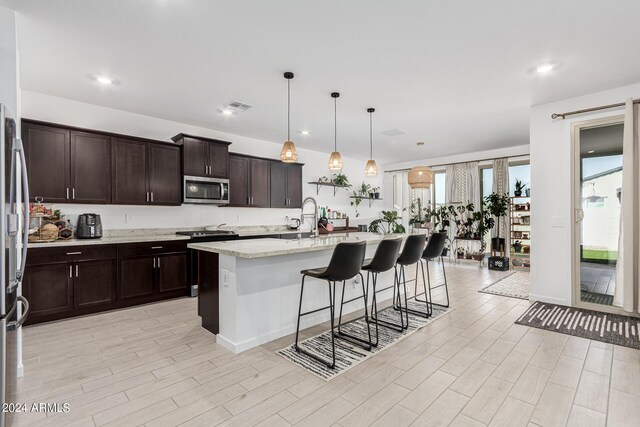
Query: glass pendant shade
point(289, 154)
point(420, 177)
point(335, 161)
point(371, 169)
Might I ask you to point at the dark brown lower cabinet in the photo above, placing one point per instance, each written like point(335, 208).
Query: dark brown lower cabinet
point(135, 278)
point(49, 290)
point(94, 284)
point(63, 282)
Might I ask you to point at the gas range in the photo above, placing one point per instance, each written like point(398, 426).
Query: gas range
point(209, 235)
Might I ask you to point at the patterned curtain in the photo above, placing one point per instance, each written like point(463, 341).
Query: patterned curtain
point(501, 185)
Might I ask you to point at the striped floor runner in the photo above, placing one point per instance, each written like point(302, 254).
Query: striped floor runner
point(348, 355)
point(594, 325)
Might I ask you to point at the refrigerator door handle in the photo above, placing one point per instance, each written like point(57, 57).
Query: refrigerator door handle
point(12, 326)
point(25, 199)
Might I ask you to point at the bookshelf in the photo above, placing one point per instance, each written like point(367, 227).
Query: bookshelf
point(520, 226)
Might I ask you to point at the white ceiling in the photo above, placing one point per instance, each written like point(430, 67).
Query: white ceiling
point(456, 75)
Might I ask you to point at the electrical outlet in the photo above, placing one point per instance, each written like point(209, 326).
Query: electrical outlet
point(128, 218)
point(225, 278)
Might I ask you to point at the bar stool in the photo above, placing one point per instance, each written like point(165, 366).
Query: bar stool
point(345, 264)
point(434, 249)
point(383, 260)
point(411, 253)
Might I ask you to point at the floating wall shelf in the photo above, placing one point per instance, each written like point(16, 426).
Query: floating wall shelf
point(370, 199)
point(319, 184)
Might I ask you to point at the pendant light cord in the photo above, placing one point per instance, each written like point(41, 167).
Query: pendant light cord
point(335, 124)
point(288, 110)
point(371, 135)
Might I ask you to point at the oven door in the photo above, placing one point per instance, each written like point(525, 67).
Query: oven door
point(206, 190)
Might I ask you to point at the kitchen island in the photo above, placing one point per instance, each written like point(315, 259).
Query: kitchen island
point(249, 290)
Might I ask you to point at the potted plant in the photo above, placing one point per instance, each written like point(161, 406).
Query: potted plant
point(358, 195)
point(478, 256)
point(467, 255)
point(519, 187)
point(341, 179)
point(460, 253)
point(517, 246)
point(392, 220)
point(497, 206)
point(418, 214)
point(376, 192)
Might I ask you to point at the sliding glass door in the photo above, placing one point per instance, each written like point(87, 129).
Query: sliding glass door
point(598, 158)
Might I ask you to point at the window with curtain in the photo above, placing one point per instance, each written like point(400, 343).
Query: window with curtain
point(439, 188)
point(486, 182)
point(521, 172)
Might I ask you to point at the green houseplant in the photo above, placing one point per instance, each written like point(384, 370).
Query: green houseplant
point(519, 188)
point(392, 221)
point(358, 195)
point(497, 205)
point(341, 179)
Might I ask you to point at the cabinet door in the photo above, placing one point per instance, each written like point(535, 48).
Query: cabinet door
point(260, 179)
point(165, 183)
point(47, 154)
point(195, 156)
point(278, 185)
point(294, 186)
point(238, 181)
point(129, 172)
point(49, 290)
point(172, 274)
point(218, 160)
point(94, 283)
point(90, 168)
point(136, 278)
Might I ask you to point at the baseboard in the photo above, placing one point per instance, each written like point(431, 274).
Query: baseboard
point(550, 300)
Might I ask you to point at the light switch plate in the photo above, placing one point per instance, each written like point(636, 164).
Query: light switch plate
point(225, 278)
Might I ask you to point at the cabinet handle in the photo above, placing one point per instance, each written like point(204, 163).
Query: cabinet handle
point(158, 262)
point(156, 247)
point(154, 263)
point(73, 193)
point(147, 195)
point(74, 253)
point(76, 270)
point(67, 193)
point(152, 197)
point(70, 271)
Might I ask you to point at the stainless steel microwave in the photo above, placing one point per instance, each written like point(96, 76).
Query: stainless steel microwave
point(206, 190)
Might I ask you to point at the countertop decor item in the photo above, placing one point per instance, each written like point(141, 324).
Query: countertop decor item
point(371, 169)
point(289, 154)
point(420, 177)
point(335, 160)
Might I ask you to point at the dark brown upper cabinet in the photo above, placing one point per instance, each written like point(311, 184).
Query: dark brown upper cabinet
point(146, 173)
point(286, 185)
point(67, 166)
point(204, 157)
point(249, 182)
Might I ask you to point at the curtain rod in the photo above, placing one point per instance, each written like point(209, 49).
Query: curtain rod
point(459, 163)
point(588, 110)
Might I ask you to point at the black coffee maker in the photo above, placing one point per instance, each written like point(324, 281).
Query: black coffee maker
point(89, 226)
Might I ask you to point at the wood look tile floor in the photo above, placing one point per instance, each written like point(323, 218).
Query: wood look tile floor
point(155, 366)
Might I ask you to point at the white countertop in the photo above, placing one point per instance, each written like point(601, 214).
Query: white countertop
point(111, 240)
point(260, 248)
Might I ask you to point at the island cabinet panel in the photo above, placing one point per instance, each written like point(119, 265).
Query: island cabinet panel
point(94, 284)
point(47, 151)
point(208, 292)
point(204, 157)
point(90, 178)
point(129, 172)
point(165, 184)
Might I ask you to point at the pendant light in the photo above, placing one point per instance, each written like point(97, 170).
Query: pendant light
point(371, 169)
point(335, 160)
point(420, 177)
point(289, 154)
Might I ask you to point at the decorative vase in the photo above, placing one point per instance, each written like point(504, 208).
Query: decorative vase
point(528, 192)
point(376, 195)
point(478, 257)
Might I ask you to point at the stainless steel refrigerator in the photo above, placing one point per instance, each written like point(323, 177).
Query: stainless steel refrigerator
point(13, 308)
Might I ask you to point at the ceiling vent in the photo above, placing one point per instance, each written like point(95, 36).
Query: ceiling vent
point(394, 132)
point(236, 107)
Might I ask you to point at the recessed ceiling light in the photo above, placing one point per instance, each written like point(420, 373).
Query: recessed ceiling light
point(105, 80)
point(227, 112)
point(303, 132)
point(545, 68)
point(591, 151)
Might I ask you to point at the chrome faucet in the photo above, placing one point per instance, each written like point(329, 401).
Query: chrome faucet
point(314, 228)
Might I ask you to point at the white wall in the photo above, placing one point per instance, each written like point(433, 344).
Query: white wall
point(65, 111)
point(551, 176)
point(8, 60)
